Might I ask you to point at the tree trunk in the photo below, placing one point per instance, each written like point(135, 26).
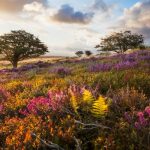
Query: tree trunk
point(15, 63)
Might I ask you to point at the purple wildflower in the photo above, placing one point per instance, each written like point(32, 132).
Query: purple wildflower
point(38, 104)
point(23, 112)
point(137, 125)
point(3, 94)
point(56, 100)
point(62, 71)
point(125, 65)
point(100, 67)
point(141, 118)
point(147, 110)
point(1, 108)
point(127, 117)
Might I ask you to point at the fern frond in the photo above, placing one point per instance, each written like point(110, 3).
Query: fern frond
point(99, 107)
point(73, 101)
point(87, 96)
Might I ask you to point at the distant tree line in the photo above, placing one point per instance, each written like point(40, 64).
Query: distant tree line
point(118, 42)
point(80, 53)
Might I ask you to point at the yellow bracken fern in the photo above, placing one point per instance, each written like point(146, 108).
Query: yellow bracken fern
point(99, 107)
point(87, 96)
point(74, 102)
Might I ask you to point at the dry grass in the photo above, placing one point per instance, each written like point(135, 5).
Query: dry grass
point(7, 64)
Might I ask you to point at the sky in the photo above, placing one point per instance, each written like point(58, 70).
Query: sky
point(67, 26)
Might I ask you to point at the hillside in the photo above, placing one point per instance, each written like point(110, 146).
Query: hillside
point(94, 103)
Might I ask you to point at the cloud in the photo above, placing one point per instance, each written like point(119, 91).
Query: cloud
point(33, 7)
point(13, 6)
point(100, 5)
point(67, 14)
point(137, 18)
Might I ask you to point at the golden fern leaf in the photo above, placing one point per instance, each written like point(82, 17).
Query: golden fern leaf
point(87, 96)
point(99, 107)
point(73, 101)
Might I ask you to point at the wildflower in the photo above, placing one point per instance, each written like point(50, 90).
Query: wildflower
point(141, 118)
point(38, 104)
point(147, 110)
point(23, 112)
point(62, 71)
point(27, 136)
point(1, 108)
point(137, 125)
point(127, 117)
point(140, 114)
point(125, 65)
point(100, 67)
point(3, 94)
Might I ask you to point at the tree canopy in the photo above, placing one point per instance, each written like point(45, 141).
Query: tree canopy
point(79, 53)
point(19, 45)
point(88, 53)
point(120, 42)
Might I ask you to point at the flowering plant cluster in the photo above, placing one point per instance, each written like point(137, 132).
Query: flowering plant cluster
point(140, 119)
point(63, 105)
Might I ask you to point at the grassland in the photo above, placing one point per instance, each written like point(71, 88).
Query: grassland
point(90, 103)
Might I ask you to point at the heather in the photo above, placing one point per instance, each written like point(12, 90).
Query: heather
point(91, 103)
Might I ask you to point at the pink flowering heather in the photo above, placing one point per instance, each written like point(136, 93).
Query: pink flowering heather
point(137, 125)
point(147, 110)
point(141, 118)
point(56, 100)
point(3, 94)
point(140, 114)
point(38, 104)
point(1, 108)
point(24, 112)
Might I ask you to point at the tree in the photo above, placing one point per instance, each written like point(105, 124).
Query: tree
point(121, 42)
point(79, 53)
point(88, 53)
point(19, 45)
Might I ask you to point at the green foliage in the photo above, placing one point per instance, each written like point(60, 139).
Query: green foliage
point(88, 53)
point(85, 109)
point(19, 45)
point(79, 53)
point(121, 42)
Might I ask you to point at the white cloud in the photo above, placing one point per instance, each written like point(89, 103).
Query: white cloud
point(33, 7)
point(137, 18)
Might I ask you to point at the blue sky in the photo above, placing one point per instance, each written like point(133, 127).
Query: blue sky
point(70, 25)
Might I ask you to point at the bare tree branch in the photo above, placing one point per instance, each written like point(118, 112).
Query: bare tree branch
point(91, 125)
point(51, 145)
point(77, 143)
